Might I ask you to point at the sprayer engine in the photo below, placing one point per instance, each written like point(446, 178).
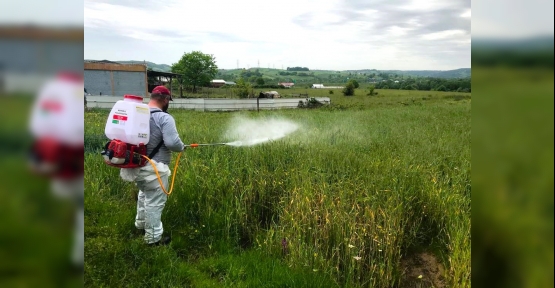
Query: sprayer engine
point(124, 155)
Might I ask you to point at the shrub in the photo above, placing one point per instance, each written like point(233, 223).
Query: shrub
point(349, 89)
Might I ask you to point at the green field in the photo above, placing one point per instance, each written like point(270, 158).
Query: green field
point(369, 192)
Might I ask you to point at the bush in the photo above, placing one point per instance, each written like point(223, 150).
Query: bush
point(441, 88)
point(355, 83)
point(330, 92)
point(349, 89)
point(371, 91)
point(242, 88)
point(268, 86)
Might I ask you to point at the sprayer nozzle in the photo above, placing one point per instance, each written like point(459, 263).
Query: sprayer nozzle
point(194, 145)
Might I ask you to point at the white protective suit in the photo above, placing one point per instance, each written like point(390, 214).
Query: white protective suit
point(151, 199)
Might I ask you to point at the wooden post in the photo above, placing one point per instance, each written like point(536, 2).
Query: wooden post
point(258, 104)
point(146, 81)
point(180, 81)
point(171, 78)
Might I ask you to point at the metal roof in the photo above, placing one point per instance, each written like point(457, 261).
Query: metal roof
point(164, 74)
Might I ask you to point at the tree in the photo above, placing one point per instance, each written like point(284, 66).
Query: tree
point(260, 81)
point(242, 88)
point(355, 83)
point(198, 69)
point(441, 88)
point(349, 89)
point(371, 90)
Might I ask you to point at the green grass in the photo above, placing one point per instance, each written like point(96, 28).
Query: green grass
point(512, 152)
point(35, 226)
point(378, 178)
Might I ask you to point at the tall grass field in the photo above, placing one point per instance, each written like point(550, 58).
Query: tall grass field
point(371, 191)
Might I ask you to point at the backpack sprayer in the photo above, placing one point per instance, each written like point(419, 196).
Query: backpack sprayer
point(128, 128)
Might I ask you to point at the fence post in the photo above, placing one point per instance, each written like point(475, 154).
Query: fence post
point(258, 104)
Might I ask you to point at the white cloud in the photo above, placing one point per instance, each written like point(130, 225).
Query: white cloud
point(447, 34)
point(319, 35)
point(467, 14)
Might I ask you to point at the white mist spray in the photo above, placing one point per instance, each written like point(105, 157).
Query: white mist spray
point(249, 132)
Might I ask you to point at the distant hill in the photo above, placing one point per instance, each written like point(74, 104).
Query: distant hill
point(313, 75)
point(154, 66)
point(530, 44)
point(447, 74)
point(457, 73)
point(527, 52)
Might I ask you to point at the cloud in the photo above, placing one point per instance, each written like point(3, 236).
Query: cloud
point(335, 34)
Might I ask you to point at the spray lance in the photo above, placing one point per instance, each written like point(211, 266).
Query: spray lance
point(235, 143)
point(195, 145)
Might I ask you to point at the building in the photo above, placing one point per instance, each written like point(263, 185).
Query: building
point(31, 54)
point(317, 86)
point(230, 83)
point(115, 79)
point(217, 83)
point(287, 84)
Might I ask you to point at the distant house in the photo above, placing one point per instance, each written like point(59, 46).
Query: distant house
point(286, 84)
point(317, 86)
point(217, 83)
point(230, 83)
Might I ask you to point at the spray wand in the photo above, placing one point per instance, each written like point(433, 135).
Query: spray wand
point(236, 144)
point(194, 145)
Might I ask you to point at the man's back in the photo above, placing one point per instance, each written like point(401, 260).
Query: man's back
point(162, 127)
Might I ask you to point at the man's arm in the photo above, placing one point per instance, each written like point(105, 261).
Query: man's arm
point(170, 135)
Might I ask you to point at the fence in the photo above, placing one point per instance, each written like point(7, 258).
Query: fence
point(215, 104)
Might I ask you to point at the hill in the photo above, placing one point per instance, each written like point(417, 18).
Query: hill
point(328, 77)
point(448, 74)
point(154, 66)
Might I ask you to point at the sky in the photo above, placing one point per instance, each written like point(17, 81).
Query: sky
point(324, 34)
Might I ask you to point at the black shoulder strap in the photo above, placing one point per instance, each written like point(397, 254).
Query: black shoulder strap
point(159, 144)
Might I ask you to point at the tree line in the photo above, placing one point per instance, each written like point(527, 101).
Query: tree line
point(198, 69)
point(427, 84)
point(297, 69)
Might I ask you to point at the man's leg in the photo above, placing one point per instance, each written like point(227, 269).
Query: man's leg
point(140, 217)
point(154, 202)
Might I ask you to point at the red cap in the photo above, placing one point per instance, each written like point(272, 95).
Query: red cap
point(134, 97)
point(162, 90)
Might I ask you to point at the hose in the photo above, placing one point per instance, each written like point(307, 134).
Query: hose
point(175, 167)
point(158, 175)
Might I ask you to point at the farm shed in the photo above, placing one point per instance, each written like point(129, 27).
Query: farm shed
point(217, 83)
point(156, 78)
point(112, 78)
point(286, 84)
point(30, 54)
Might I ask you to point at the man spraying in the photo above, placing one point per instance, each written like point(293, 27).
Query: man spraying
point(151, 198)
